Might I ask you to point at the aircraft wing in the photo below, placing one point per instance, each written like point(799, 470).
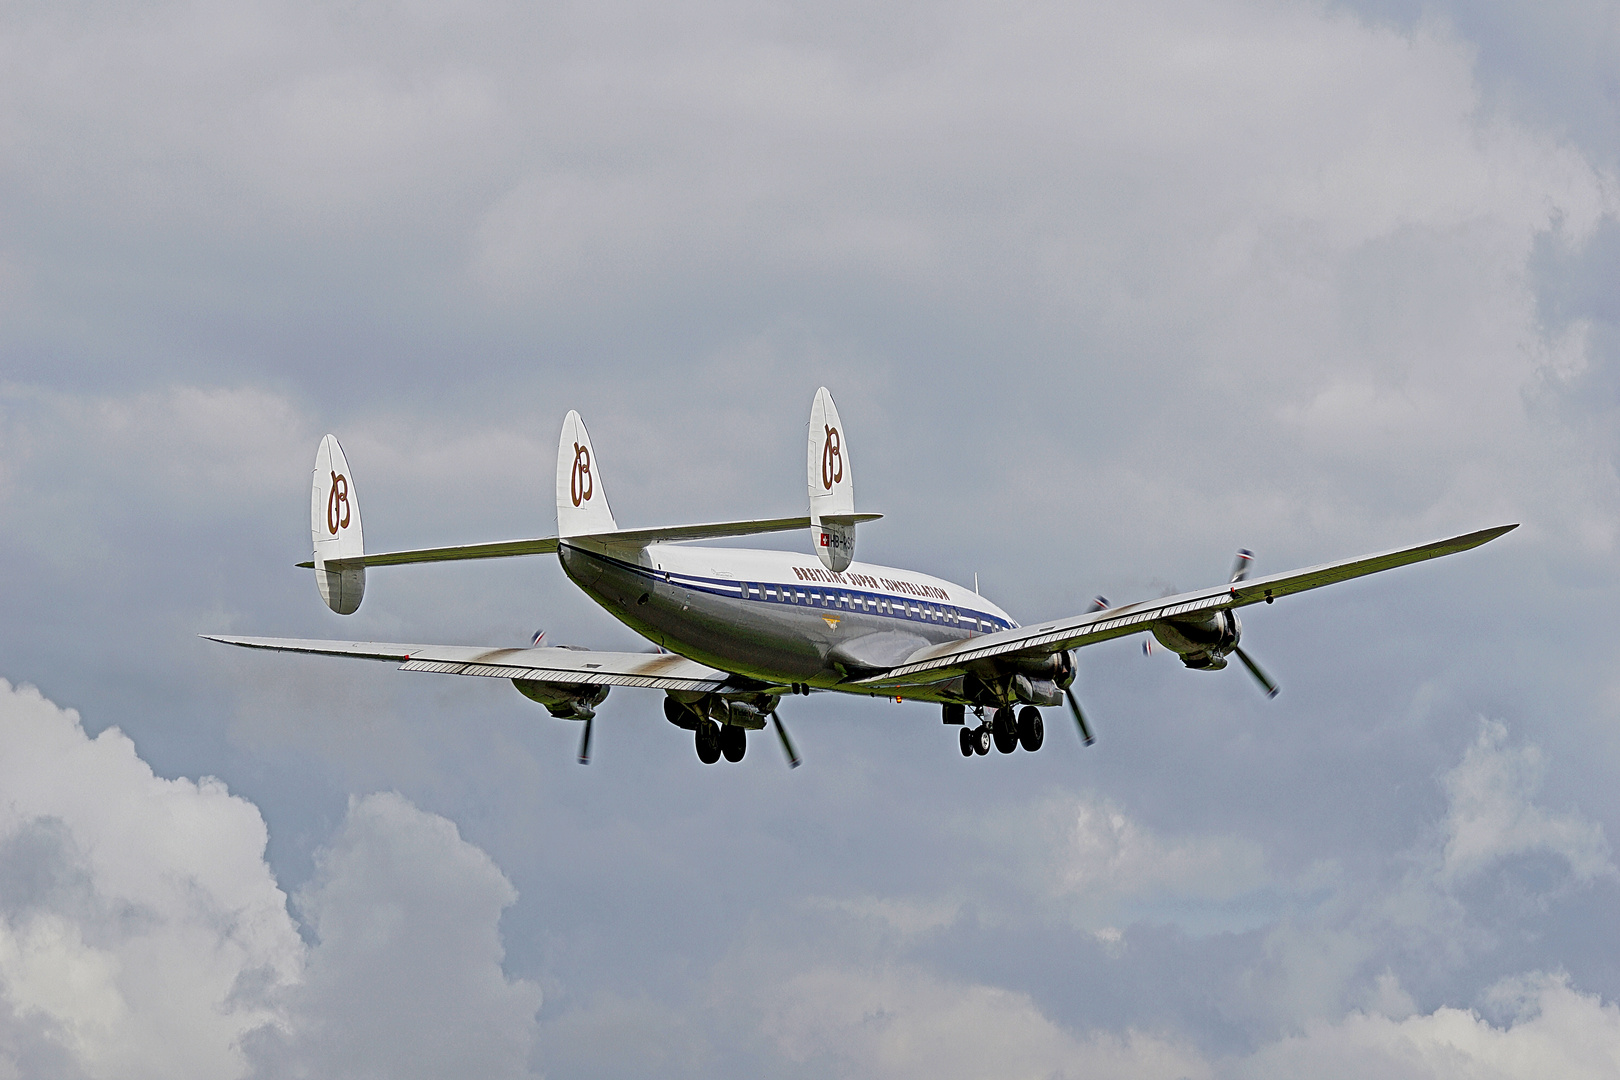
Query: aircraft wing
point(938, 662)
point(547, 545)
point(657, 671)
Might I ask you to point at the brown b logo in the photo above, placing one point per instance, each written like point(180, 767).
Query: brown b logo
point(580, 484)
point(337, 504)
point(832, 459)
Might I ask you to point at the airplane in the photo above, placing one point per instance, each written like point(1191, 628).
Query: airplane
point(736, 629)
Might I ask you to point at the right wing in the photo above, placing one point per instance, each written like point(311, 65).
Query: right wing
point(547, 545)
point(573, 667)
point(946, 661)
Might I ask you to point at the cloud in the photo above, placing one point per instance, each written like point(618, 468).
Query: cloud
point(904, 1021)
point(1492, 816)
point(405, 977)
point(1557, 1032)
point(143, 935)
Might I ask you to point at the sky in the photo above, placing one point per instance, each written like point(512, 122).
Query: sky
point(1104, 293)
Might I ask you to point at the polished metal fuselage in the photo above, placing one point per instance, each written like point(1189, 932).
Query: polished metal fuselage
point(776, 616)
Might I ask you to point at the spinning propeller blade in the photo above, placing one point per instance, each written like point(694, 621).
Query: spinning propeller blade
point(585, 743)
point(1260, 677)
point(787, 744)
point(1079, 717)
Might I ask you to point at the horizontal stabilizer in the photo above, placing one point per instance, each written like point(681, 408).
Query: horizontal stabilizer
point(501, 549)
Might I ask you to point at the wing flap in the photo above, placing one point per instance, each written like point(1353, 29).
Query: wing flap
point(939, 661)
point(658, 671)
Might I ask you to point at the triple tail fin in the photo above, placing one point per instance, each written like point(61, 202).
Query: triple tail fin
point(582, 506)
point(832, 487)
point(334, 525)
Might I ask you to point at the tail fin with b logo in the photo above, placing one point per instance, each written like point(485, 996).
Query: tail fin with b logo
point(832, 491)
point(334, 524)
point(582, 506)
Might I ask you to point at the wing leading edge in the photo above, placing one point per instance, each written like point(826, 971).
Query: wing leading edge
point(574, 667)
point(945, 661)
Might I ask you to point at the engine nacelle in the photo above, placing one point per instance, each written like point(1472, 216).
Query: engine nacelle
point(686, 710)
point(565, 701)
point(1202, 642)
point(1056, 667)
point(1028, 680)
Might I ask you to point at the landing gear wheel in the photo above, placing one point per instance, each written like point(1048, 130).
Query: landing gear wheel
point(1030, 729)
point(1005, 730)
point(708, 742)
point(733, 742)
point(968, 738)
point(981, 740)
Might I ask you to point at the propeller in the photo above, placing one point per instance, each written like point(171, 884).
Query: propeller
point(787, 743)
point(1260, 677)
point(1079, 717)
point(1240, 571)
point(585, 743)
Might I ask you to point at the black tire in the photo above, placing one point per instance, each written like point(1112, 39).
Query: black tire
point(1031, 730)
point(954, 714)
point(733, 742)
point(707, 738)
point(981, 740)
point(1004, 728)
point(967, 740)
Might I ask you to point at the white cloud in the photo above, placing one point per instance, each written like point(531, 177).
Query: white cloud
point(140, 929)
point(405, 979)
point(143, 935)
point(1557, 1032)
point(1492, 815)
point(905, 1021)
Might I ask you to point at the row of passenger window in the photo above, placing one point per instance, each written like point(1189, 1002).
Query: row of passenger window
point(874, 604)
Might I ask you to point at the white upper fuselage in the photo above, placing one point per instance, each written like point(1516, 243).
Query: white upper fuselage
point(775, 615)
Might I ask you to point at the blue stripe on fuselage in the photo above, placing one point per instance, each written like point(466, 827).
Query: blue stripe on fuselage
point(864, 601)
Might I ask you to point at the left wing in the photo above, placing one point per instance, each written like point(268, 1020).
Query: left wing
point(940, 662)
point(574, 667)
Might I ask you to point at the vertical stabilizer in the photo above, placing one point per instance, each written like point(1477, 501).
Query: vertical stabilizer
point(582, 506)
point(832, 490)
point(334, 524)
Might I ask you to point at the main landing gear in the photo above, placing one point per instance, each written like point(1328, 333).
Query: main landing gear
point(715, 741)
point(1005, 729)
